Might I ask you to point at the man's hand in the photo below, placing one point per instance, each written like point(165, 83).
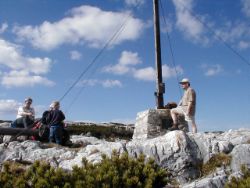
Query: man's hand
point(29, 114)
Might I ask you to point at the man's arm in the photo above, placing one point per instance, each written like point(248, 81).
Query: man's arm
point(190, 107)
point(180, 103)
point(22, 113)
point(191, 101)
point(32, 113)
point(62, 116)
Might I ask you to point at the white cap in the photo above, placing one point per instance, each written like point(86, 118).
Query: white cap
point(184, 80)
point(28, 99)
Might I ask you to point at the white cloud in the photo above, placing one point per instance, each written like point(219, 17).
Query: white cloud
point(22, 70)
point(129, 58)
point(111, 83)
point(75, 55)
point(244, 45)
point(89, 82)
point(117, 69)
point(187, 23)
point(168, 72)
point(85, 24)
point(104, 83)
point(246, 7)
point(12, 57)
point(212, 70)
point(149, 73)
point(125, 64)
point(23, 79)
point(168, 26)
point(134, 2)
point(235, 33)
point(8, 107)
point(3, 27)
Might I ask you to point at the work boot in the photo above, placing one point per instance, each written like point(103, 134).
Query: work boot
point(174, 127)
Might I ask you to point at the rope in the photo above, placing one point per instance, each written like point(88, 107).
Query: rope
point(171, 51)
point(93, 72)
point(118, 31)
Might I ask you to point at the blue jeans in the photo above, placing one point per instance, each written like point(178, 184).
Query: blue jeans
point(56, 134)
point(22, 122)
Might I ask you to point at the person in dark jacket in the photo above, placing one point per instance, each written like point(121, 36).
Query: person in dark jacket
point(55, 119)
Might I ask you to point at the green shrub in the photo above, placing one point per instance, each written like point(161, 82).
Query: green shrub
point(217, 160)
point(243, 182)
point(117, 171)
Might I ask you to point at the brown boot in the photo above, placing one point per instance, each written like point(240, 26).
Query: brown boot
point(174, 127)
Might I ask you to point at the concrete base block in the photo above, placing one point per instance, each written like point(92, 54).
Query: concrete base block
point(155, 122)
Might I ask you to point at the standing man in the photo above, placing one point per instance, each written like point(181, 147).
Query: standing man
point(186, 106)
point(25, 115)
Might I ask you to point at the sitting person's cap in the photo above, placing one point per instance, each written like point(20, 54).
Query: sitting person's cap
point(184, 80)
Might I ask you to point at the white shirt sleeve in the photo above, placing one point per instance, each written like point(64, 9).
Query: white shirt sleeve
point(19, 112)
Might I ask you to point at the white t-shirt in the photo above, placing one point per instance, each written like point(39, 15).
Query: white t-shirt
point(22, 109)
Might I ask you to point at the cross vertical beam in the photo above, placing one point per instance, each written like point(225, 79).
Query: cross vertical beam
point(160, 86)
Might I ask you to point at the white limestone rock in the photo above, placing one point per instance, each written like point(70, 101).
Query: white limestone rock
point(177, 151)
point(236, 137)
point(173, 151)
point(5, 125)
point(210, 144)
point(85, 140)
point(214, 182)
point(30, 151)
point(93, 153)
point(240, 156)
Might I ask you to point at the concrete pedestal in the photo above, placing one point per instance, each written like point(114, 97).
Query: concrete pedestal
point(152, 123)
point(155, 122)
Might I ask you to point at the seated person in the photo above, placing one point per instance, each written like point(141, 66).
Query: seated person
point(55, 118)
point(44, 118)
point(25, 115)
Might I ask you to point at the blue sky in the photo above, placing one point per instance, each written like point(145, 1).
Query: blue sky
point(45, 46)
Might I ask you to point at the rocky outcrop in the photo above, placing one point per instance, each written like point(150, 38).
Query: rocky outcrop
point(5, 124)
point(177, 151)
point(174, 151)
point(240, 155)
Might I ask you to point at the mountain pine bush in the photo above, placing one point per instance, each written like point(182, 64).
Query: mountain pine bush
point(117, 171)
point(215, 161)
point(243, 182)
